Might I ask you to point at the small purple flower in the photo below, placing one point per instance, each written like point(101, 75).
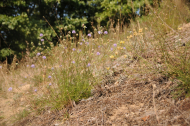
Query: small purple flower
point(99, 46)
point(44, 57)
point(81, 43)
point(32, 65)
point(105, 32)
point(87, 43)
point(49, 77)
point(99, 32)
point(98, 53)
point(73, 49)
point(111, 49)
point(0, 67)
point(73, 62)
point(73, 31)
point(83, 40)
point(124, 47)
point(10, 89)
point(35, 90)
point(65, 47)
point(79, 50)
point(88, 65)
point(38, 54)
point(41, 34)
point(25, 77)
point(42, 40)
point(60, 66)
point(52, 68)
point(27, 65)
point(89, 35)
point(49, 84)
point(115, 44)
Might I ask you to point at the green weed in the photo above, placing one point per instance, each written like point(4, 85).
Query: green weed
point(21, 115)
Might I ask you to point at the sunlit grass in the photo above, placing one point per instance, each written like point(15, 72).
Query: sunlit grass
point(66, 73)
point(57, 78)
point(172, 54)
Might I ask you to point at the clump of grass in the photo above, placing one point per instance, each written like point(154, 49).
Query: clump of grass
point(65, 74)
point(21, 115)
point(172, 54)
point(71, 75)
point(179, 67)
point(1, 117)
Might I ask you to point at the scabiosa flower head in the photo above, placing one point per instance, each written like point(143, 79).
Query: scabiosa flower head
point(42, 40)
point(52, 68)
point(73, 49)
point(124, 47)
point(99, 46)
point(111, 49)
point(73, 31)
point(81, 43)
point(49, 84)
point(38, 54)
point(32, 65)
point(87, 43)
point(27, 65)
point(35, 90)
point(73, 62)
point(10, 89)
point(65, 47)
point(89, 35)
point(44, 57)
point(83, 40)
point(60, 66)
point(115, 44)
point(41, 34)
point(105, 32)
point(49, 77)
point(99, 32)
point(79, 50)
point(0, 67)
point(98, 53)
point(88, 65)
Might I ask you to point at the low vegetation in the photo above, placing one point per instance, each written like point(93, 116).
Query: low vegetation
point(61, 77)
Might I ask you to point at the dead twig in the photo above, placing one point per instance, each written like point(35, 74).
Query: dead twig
point(154, 86)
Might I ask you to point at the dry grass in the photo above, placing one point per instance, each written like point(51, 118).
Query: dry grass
point(153, 45)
